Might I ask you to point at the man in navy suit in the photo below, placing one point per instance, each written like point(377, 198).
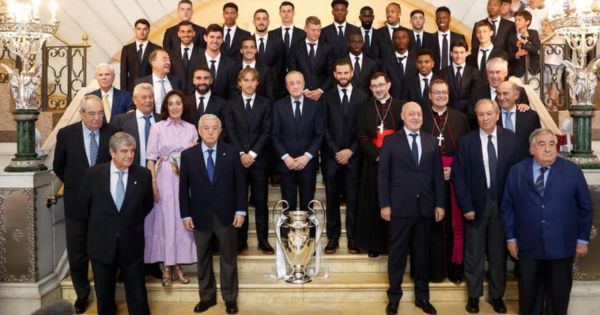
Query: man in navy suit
point(363, 66)
point(269, 57)
point(296, 135)
point(479, 171)
point(416, 88)
point(233, 34)
point(213, 199)
point(367, 31)
point(336, 34)
point(384, 34)
point(419, 39)
point(443, 38)
point(185, 10)
point(400, 65)
point(222, 68)
point(547, 213)
point(114, 101)
point(501, 27)
point(162, 82)
point(203, 101)
point(134, 56)
point(185, 58)
point(115, 199)
point(411, 196)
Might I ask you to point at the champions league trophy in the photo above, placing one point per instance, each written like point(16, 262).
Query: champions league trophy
point(298, 238)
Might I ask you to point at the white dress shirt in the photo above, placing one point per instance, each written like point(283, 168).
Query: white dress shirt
point(206, 99)
point(114, 179)
point(513, 117)
point(231, 33)
point(410, 139)
point(348, 91)
point(157, 91)
point(487, 54)
point(141, 124)
point(190, 47)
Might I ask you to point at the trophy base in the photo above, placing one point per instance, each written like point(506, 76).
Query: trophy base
point(298, 279)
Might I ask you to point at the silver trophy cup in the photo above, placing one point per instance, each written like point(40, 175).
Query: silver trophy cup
point(297, 236)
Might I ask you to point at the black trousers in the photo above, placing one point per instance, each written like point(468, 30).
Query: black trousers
point(258, 181)
point(133, 279)
point(545, 286)
point(411, 231)
point(341, 180)
point(294, 182)
point(76, 233)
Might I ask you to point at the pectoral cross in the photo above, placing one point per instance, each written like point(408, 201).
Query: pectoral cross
point(380, 128)
point(440, 138)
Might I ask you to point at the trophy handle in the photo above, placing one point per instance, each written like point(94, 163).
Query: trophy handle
point(285, 207)
point(319, 206)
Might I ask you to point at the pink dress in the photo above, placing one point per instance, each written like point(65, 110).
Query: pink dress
point(166, 239)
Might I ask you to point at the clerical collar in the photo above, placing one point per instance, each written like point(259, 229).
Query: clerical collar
point(384, 101)
point(438, 113)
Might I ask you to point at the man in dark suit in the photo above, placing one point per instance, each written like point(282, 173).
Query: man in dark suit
point(213, 198)
point(134, 56)
point(233, 34)
point(79, 146)
point(502, 28)
point(419, 39)
point(522, 123)
point(416, 88)
point(497, 72)
point(314, 58)
point(185, 57)
point(363, 66)
point(340, 152)
point(114, 101)
point(269, 57)
point(411, 196)
point(115, 199)
point(385, 46)
point(162, 82)
point(555, 190)
point(367, 31)
point(296, 135)
point(203, 101)
point(400, 65)
point(185, 10)
point(486, 49)
point(443, 38)
point(524, 47)
point(336, 34)
point(479, 170)
point(249, 55)
point(222, 69)
point(248, 124)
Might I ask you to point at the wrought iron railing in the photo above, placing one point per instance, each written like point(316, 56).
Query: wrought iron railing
point(552, 81)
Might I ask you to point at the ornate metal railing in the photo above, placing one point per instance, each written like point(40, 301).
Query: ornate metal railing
point(552, 81)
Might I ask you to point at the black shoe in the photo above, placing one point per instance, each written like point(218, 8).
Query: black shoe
point(352, 248)
point(373, 254)
point(425, 306)
point(391, 308)
point(81, 305)
point(242, 247)
point(231, 307)
point(498, 305)
point(266, 248)
point(202, 306)
point(332, 246)
point(472, 305)
point(153, 270)
point(456, 279)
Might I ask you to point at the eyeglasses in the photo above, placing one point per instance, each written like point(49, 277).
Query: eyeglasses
point(439, 92)
point(378, 86)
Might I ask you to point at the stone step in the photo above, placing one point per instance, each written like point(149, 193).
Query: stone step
point(253, 241)
point(275, 192)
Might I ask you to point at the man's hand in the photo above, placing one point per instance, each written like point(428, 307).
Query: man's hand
point(238, 221)
point(469, 215)
point(247, 160)
point(523, 107)
point(188, 224)
point(343, 156)
point(386, 213)
point(314, 95)
point(513, 249)
point(301, 162)
point(581, 250)
point(290, 163)
point(439, 214)
point(447, 172)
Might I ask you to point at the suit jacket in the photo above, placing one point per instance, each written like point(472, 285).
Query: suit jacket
point(525, 124)
point(233, 51)
point(368, 67)
point(249, 131)
point(374, 42)
point(214, 106)
point(391, 67)
point(385, 46)
point(176, 83)
point(427, 40)
point(468, 172)
point(199, 198)
point(461, 96)
point(566, 208)
point(329, 34)
point(111, 230)
point(273, 58)
point(436, 46)
point(171, 40)
point(70, 161)
point(224, 85)
point(132, 67)
point(517, 66)
point(266, 85)
point(412, 92)
point(120, 101)
point(484, 92)
point(340, 129)
point(298, 35)
point(185, 74)
point(472, 60)
point(128, 122)
point(286, 139)
point(405, 186)
point(500, 39)
point(319, 76)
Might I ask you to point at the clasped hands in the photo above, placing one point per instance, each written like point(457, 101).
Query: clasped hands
point(296, 164)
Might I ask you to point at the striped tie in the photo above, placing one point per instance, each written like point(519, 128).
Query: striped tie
point(93, 149)
point(539, 182)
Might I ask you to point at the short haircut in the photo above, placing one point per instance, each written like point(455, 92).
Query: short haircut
point(185, 2)
point(287, 3)
point(141, 21)
point(524, 14)
point(482, 23)
point(342, 2)
point(497, 60)
point(209, 117)
point(230, 5)
point(378, 75)
point(343, 62)
point(248, 39)
point(261, 11)
point(443, 9)
point(312, 20)
point(245, 71)
point(155, 53)
point(202, 68)
point(366, 8)
point(483, 101)
point(164, 108)
point(214, 28)
point(142, 87)
point(435, 81)
point(85, 99)
point(398, 30)
point(417, 11)
point(184, 23)
point(104, 64)
point(505, 1)
point(120, 139)
point(459, 43)
point(293, 72)
point(540, 131)
point(396, 4)
point(425, 52)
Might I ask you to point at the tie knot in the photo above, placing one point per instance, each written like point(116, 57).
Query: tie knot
point(425, 80)
point(213, 61)
point(248, 101)
point(92, 134)
point(228, 30)
point(297, 103)
point(357, 58)
point(141, 46)
point(311, 45)
point(261, 39)
point(367, 32)
point(201, 98)
point(287, 29)
point(210, 151)
point(121, 173)
point(400, 59)
point(509, 114)
point(344, 91)
point(147, 118)
point(444, 35)
point(543, 170)
point(414, 135)
point(458, 68)
point(490, 137)
point(484, 50)
point(186, 49)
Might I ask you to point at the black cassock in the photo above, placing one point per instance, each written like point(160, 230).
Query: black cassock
point(370, 230)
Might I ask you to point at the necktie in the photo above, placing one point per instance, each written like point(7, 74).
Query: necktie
point(297, 115)
point(286, 38)
point(210, 165)
point(249, 110)
point(367, 41)
point(458, 78)
point(228, 39)
point(311, 54)
point(344, 102)
point(213, 69)
point(493, 162)
point(261, 50)
point(140, 52)
point(401, 65)
point(147, 128)
point(415, 148)
point(341, 32)
point(483, 60)
point(444, 51)
point(120, 196)
point(494, 28)
point(106, 107)
point(93, 149)
point(419, 41)
point(356, 66)
point(201, 106)
point(425, 91)
point(163, 92)
point(186, 57)
point(539, 181)
point(508, 124)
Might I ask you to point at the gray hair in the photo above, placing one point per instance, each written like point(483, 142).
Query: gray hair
point(541, 131)
point(487, 101)
point(294, 72)
point(121, 139)
point(142, 87)
point(104, 64)
point(497, 60)
point(85, 99)
point(208, 117)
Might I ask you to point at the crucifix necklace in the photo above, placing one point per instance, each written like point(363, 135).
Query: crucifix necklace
point(440, 137)
point(380, 127)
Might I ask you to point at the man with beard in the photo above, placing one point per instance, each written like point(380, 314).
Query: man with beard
point(377, 118)
point(203, 101)
point(185, 57)
point(269, 58)
point(366, 18)
point(447, 126)
point(265, 86)
point(443, 38)
point(340, 150)
point(336, 34)
point(363, 66)
point(400, 65)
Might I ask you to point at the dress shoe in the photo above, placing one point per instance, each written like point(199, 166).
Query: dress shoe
point(391, 308)
point(498, 306)
point(373, 254)
point(352, 248)
point(266, 248)
point(153, 270)
point(242, 247)
point(81, 305)
point(425, 306)
point(332, 246)
point(231, 307)
point(472, 305)
point(202, 306)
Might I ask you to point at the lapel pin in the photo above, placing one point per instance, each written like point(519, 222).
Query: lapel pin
point(135, 182)
point(224, 154)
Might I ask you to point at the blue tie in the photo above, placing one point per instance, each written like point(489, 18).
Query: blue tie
point(147, 128)
point(210, 165)
point(93, 149)
point(415, 149)
point(508, 124)
point(539, 182)
point(120, 191)
point(493, 162)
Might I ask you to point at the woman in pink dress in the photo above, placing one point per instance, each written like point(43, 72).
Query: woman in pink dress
point(166, 239)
